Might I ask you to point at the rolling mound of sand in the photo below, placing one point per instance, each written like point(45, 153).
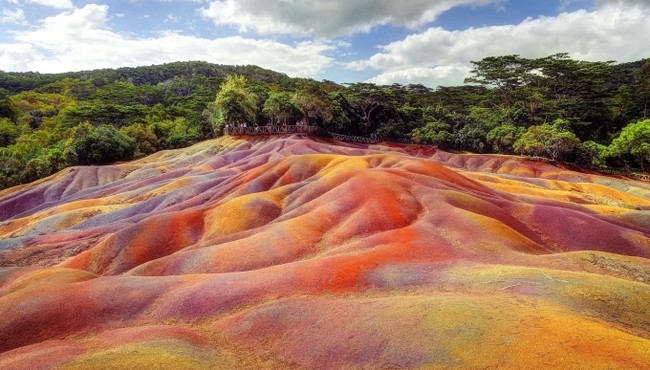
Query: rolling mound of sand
point(299, 252)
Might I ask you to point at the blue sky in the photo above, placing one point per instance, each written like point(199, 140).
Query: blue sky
point(382, 41)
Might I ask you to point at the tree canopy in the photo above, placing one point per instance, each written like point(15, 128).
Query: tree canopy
point(634, 140)
point(234, 104)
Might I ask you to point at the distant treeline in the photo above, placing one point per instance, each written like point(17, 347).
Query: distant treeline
point(593, 114)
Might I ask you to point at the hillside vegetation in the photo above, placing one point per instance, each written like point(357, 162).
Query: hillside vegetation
point(591, 113)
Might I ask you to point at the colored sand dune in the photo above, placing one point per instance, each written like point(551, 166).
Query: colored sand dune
point(300, 252)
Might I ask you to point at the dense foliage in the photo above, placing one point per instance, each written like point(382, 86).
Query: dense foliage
point(594, 114)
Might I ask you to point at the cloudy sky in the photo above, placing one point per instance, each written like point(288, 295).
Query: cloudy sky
point(382, 41)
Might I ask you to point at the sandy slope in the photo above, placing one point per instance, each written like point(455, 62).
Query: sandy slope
point(305, 253)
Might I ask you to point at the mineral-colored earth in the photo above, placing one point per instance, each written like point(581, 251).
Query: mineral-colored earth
point(301, 252)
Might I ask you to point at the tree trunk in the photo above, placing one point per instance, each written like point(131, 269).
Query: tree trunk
point(642, 164)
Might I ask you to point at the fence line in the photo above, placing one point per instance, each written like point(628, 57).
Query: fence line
point(269, 130)
point(633, 175)
point(295, 129)
point(355, 139)
point(641, 176)
point(405, 141)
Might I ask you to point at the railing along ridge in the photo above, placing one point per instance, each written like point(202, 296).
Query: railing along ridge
point(270, 130)
point(306, 129)
point(295, 129)
point(640, 176)
point(355, 139)
point(633, 175)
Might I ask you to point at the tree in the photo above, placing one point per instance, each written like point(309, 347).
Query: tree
point(368, 99)
point(577, 91)
point(279, 108)
point(503, 74)
point(98, 113)
point(49, 162)
point(634, 140)
point(8, 132)
point(549, 140)
point(146, 141)
point(644, 82)
point(548, 88)
point(7, 107)
point(102, 144)
point(503, 137)
point(10, 169)
point(175, 133)
point(312, 106)
point(79, 89)
point(459, 99)
point(433, 132)
point(591, 154)
point(234, 103)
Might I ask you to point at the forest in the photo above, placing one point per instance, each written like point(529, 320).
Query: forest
point(590, 114)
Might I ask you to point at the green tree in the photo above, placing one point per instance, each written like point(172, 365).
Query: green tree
point(549, 88)
point(368, 100)
point(634, 140)
point(176, 133)
point(591, 154)
point(101, 144)
point(313, 106)
point(644, 82)
point(549, 140)
point(7, 108)
point(503, 137)
point(99, 113)
point(279, 108)
point(459, 99)
point(504, 74)
point(31, 145)
point(8, 132)
point(146, 141)
point(234, 103)
point(10, 170)
point(433, 132)
point(52, 160)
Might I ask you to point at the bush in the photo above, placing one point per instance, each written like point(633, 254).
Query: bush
point(548, 140)
point(102, 144)
point(176, 134)
point(8, 132)
point(434, 132)
point(146, 141)
point(503, 137)
point(633, 140)
point(591, 154)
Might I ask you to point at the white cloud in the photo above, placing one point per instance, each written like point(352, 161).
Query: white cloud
point(441, 75)
point(14, 56)
point(628, 2)
point(81, 39)
point(171, 18)
point(17, 16)
point(326, 18)
point(612, 31)
point(57, 4)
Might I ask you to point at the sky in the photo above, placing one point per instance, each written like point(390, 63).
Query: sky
point(431, 42)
